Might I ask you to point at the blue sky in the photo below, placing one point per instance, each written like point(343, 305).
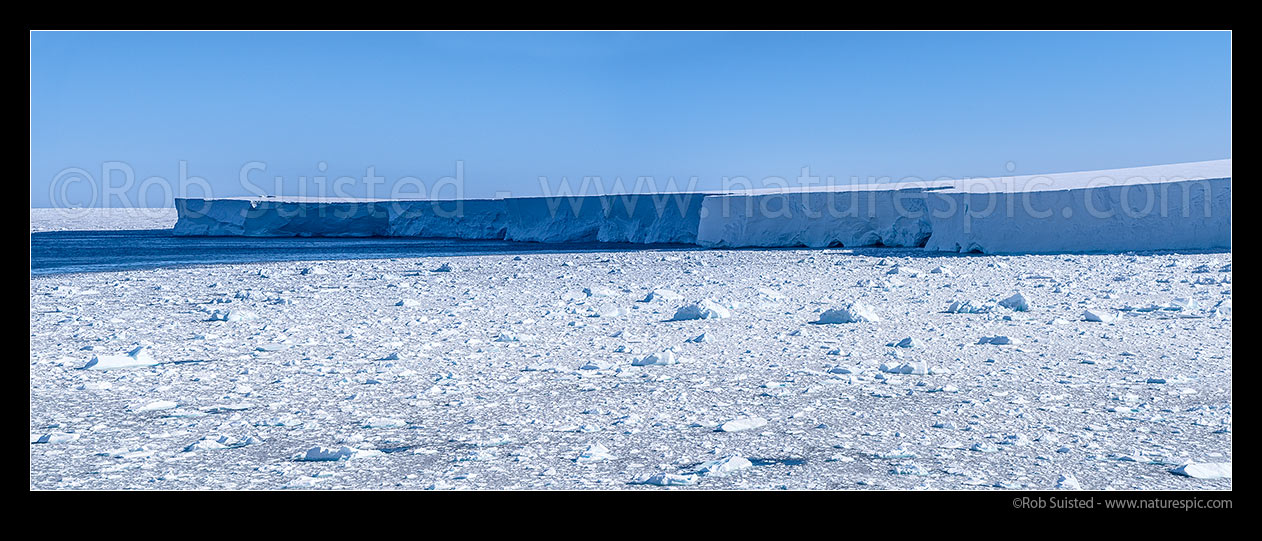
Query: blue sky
point(515, 106)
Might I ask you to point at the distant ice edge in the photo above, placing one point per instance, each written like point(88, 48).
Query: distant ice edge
point(1181, 206)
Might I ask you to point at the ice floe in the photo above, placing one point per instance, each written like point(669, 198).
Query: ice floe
point(705, 309)
point(853, 312)
point(138, 357)
point(327, 454)
point(1204, 470)
point(742, 423)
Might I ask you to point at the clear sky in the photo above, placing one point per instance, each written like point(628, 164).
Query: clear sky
point(514, 106)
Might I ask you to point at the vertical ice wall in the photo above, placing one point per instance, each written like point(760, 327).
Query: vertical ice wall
point(465, 219)
point(1194, 214)
point(862, 216)
point(268, 218)
point(1180, 206)
point(644, 219)
point(636, 218)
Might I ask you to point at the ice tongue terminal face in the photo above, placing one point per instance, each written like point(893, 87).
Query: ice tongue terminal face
point(1115, 210)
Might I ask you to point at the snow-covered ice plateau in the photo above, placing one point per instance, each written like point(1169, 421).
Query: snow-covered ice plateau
point(640, 370)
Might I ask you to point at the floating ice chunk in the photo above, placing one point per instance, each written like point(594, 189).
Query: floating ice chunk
point(662, 295)
point(943, 270)
point(908, 469)
point(1016, 303)
point(157, 405)
point(596, 364)
point(656, 359)
point(1099, 316)
point(595, 453)
point(1068, 482)
point(908, 271)
point(1204, 470)
point(54, 437)
point(664, 479)
point(1184, 304)
point(771, 293)
point(599, 292)
point(96, 386)
point(1223, 308)
point(610, 310)
point(894, 453)
point(724, 466)
point(742, 423)
point(384, 422)
point(314, 270)
point(214, 443)
point(445, 267)
point(233, 316)
point(408, 303)
point(513, 337)
point(852, 312)
point(287, 420)
point(137, 357)
point(1017, 440)
point(998, 340)
point(909, 342)
point(918, 368)
point(706, 309)
point(325, 454)
point(701, 338)
point(968, 306)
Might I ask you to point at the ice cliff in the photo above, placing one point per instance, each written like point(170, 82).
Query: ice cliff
point(1180, 206)
point(869, 215)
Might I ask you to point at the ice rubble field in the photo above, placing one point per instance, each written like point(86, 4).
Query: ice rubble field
point(569, 371)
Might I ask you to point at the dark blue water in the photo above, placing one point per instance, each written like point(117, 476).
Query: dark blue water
point(59, 252)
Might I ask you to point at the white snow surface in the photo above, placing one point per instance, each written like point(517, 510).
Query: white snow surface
point(1167, 207)
point(101, 219)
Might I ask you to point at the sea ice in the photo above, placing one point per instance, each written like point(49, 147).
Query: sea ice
point(54, 437)
point(137, 357)
point(595, 453)
point(1204, 470)
point(656, 359)
point(1099, 316)
point(662, 294)
point(212, 443)
point(1017, 303)
point(852, 312)
point(232, 316)
point(998, 340)
point(968, 306)
point(724, 466)
point(668, 479)
point(326, 454)
point(742, 423)
point(705, 309)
